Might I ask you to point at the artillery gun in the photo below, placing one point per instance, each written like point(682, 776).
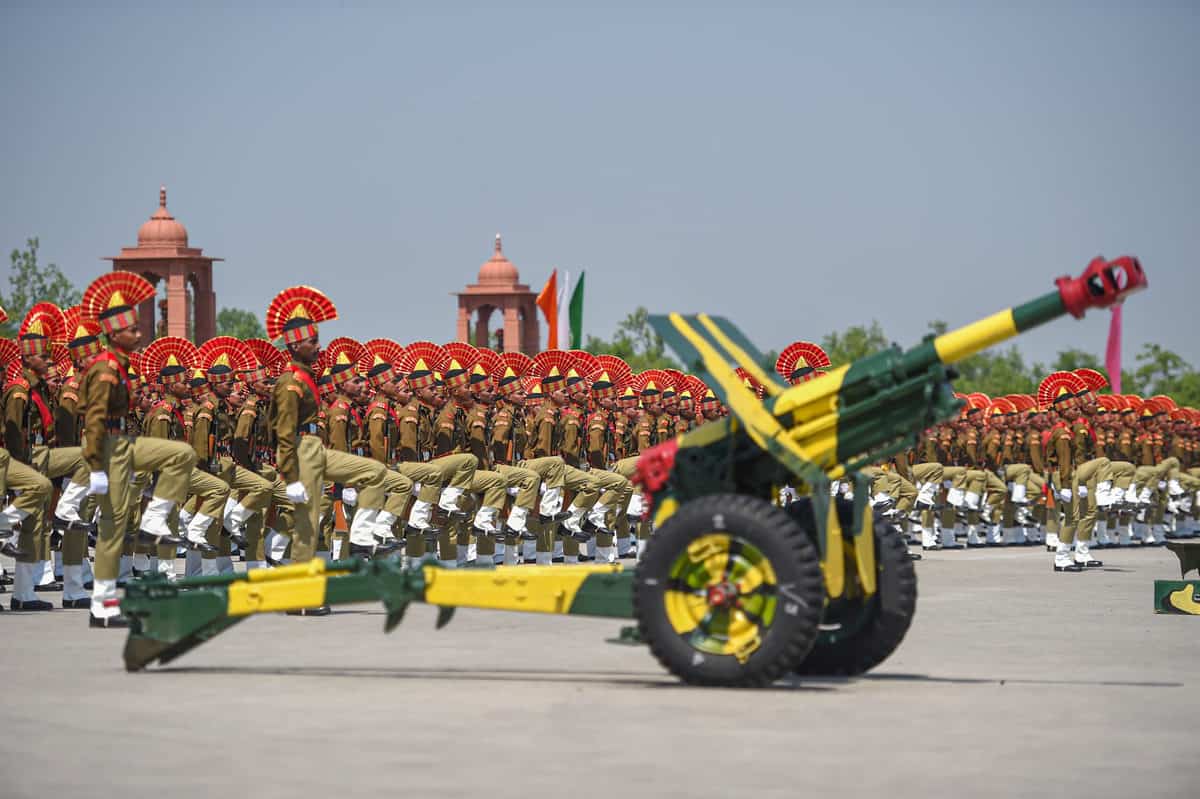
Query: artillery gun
point(731, 590)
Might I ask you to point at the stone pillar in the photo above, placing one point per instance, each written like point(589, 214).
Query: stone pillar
point(148, 310)
point(482, 316)
point(205, 306)
point(464, 322)
point(177, 301)
point(146, 321)
point(512, 328)
point(530, 338)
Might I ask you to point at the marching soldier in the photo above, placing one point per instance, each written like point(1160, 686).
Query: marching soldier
point(112, 454)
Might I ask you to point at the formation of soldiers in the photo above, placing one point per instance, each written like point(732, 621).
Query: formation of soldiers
point(368, 449)
point(1070, 468)
point(474, 457)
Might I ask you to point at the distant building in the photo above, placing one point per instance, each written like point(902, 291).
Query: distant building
point(499, 289)
point(162, 253)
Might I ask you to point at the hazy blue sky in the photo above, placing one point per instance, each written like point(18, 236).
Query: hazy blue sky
point(797, 169)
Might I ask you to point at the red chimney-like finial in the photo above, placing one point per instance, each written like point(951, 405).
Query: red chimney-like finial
point(162, 196)
point(497, 243)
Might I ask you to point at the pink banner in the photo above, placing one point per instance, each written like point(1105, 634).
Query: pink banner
point(1112, 353)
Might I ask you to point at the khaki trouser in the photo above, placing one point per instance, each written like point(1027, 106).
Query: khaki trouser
point(957, 475)
point(56, 463)
point(210, 493)
point(587, 491)
point(453, 470)
point(310, 455)
point(616, 491)
point(449, 470)
point(1080, 516)
point(526, 481)
point(365, 475)
point(392, 492)
point(34, 493)
point(928, 472)
point(253, 491)
point(997, 493)
point(282, 520)
point(124, 455)
point(399, 488)
point(551, 469)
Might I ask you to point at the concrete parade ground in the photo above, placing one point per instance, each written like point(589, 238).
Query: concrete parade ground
point(1014, 681)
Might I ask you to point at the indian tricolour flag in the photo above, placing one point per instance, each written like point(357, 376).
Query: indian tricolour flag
point(562, 306)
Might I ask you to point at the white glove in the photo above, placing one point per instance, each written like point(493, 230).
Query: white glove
point(296, 493)
point(1082, 492)
point(349, 497)
point(1064, 494)
point(98, 483)
point(1162, 484)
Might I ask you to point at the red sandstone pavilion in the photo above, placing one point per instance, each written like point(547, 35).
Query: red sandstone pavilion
point(499, 289)
point(190, 307)
point(162, 253)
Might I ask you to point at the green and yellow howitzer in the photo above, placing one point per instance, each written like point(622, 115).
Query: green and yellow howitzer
point(170, 618)
point(731, 590)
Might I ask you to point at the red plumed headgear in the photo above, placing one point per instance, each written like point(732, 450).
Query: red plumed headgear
point(223, 357)
point(585, 362)
point(1166, 402)
point(675, 381)
point(269, 359)
point(341, 357)
point(295, 313)
point(380, 360)
point(617, 369)
point(463, 358)
point(83, 335)
point(43, 325)
point(551, 368)
point(509, 379)
point(1059, 388)
point(1092, 379)
point(62, 359)
point(169, 360)
point(421, 360)
point(112, 300)
point(800, 361)
point(650, 383)
point(9, 353)
point(519, 362)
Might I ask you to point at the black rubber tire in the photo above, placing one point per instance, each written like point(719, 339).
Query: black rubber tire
point(794, 560)
point(878, 635)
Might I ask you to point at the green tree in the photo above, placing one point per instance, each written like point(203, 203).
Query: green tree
point(239, 324)
point(1162, 371)
point(636, 342)
point(1071, 359)
point(32, 283)
point(856, 341)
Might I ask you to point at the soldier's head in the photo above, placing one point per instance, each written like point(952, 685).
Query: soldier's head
point(352, 386)
point(306, 350)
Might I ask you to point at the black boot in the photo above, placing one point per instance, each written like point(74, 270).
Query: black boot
point(115, 622)
point(31, 605)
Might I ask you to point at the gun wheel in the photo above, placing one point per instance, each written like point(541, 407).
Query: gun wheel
point(728, 592)
point(858, 634)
